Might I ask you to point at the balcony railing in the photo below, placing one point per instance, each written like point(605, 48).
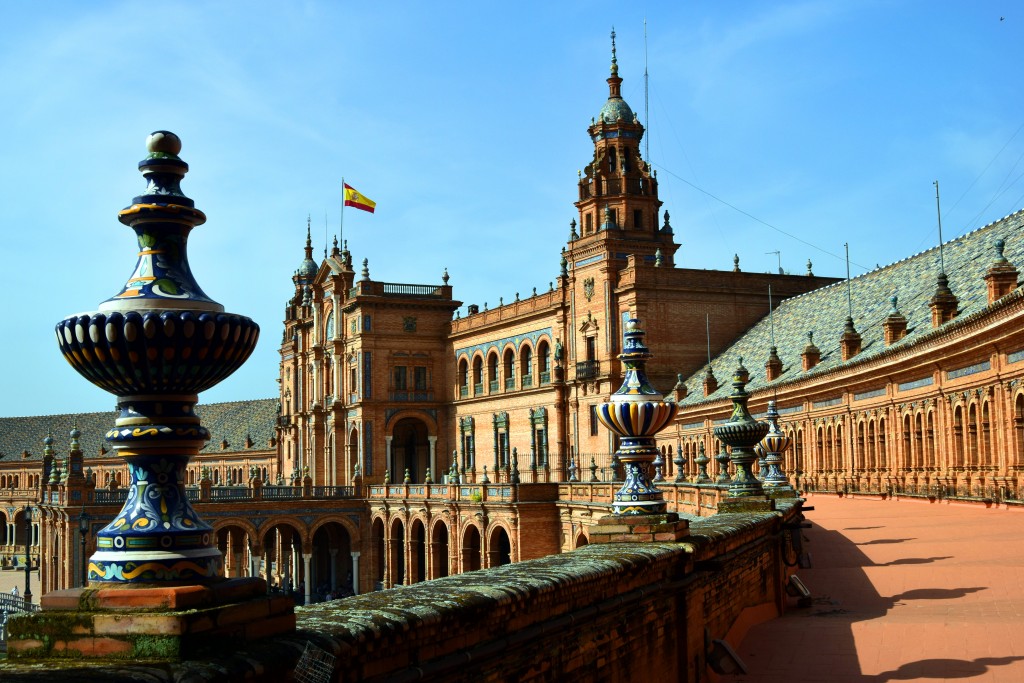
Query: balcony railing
point(494, 386)
point(527, 381)
point(478, 389)
point(463, 391)
point(545, 377)
point(281, 492)
point(510, 384)
point(588, 369)
point(333, 491)
point(108, 497)
point(230, 493)
point(404, 395)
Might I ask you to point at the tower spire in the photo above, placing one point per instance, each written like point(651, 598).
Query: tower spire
point(309, 239)
point(614, 82)
point(615, 62)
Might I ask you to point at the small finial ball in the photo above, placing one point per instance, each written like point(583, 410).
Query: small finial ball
point(163, 141)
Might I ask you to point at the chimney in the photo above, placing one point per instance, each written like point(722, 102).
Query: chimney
point(710, 383)
point(849, 343)
point(944, 303)
point(1001, 277)
point(679, 391)
point(811, 355)
point(895, 325)
point(773, 367)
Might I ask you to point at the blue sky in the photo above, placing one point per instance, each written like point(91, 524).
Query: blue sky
point(466, 123)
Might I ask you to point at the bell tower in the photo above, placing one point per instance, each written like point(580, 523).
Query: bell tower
point(618, 191)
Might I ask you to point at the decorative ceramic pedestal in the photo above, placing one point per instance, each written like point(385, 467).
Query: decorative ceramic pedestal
point(156, 344)
point(774, 444)
point(741, 433)
point(636, 412)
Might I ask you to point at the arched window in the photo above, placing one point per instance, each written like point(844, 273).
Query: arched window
point(544, 357)
point(972, 436)
point(986, 455)
point(509, 362)
point(1018, 427)
point(612, 158)
point(908, 459)
point(464, 377)
point(861, 454)
point(882, 465)
point(478, 375)
point(958, 437)
point(492, 372)
point(872, 463)
point(919, 441)
point(930, 441)
point(526, 365)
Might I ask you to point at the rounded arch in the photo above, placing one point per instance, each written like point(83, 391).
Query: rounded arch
point(544, 357)
point(280, 541)
point(499, 546)
point(378, 551)
point(463, 371)
point(581, 539)
point(417, 551)
point(478, 371)
point(526, 358)
point(331, 564)
point(395, 573)
point(411, 413)
point(492, 369)
point(410, 449)
point(439, 549)
point(471, 548)
point(241, 522)
point(1018, 428)
point(293, 523)
point(349, 526)
point(508, 365)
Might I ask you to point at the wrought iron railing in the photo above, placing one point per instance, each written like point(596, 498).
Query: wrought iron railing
point(588, 369)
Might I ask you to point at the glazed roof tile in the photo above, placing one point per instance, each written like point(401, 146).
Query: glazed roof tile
point(824, 311)
point(229, 422)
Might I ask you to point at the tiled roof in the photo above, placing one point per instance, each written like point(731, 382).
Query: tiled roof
point(824, 311)
point(229, 422)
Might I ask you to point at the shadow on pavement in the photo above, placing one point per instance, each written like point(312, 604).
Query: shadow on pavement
point(913, 560)
point(791, 648)
point(880, 541)
point(944, 669)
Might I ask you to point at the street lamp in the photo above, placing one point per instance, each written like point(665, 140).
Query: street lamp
point(28, 557)
point(83, 529)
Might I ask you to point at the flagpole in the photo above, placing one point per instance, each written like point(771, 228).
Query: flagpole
point(341, 220)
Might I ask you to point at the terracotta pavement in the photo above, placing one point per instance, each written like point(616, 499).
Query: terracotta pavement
point(903, 591)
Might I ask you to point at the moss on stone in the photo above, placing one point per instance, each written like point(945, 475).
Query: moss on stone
point(156, 647)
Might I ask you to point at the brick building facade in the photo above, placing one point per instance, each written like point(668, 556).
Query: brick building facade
point(409, 442)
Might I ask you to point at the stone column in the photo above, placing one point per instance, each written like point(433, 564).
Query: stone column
point(307, 577)
point(355, 572)
point(432, 440)
point(390, 466)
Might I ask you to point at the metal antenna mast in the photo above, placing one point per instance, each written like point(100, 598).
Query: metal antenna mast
point(938, 210)
point(647, 114)
point(779, 255)
point(849, 295)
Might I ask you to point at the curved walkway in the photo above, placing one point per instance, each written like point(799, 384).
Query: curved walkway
point(903, 591)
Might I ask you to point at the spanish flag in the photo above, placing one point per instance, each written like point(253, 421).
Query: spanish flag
point(358, 201)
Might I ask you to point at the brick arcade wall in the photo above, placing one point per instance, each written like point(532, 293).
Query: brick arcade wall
point(637, 611)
